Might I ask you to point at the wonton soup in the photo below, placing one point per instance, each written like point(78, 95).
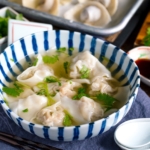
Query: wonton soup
point(62, 90)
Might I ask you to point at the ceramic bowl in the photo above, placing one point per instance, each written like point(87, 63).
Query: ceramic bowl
point(138, 53)
point(43, 41)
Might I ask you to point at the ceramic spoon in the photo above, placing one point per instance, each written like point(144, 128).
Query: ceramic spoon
point(133, 134)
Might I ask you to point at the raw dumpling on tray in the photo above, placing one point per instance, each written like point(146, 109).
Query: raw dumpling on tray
point(97, 13)
point(48, 6)
point(111, 5)
point(90, 13)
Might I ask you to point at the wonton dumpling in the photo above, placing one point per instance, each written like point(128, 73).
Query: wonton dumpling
point(57, 97)
point(90, 109)
point(106, 3)
point(65, 88)
point(91, 13)
point(39, 60)
point(104, 84)
point(68, 88)
point(82, 81)
point(63, 2)
point(52, 115)
point(110, 86)
point(122, 94)
point(72, 107)
point(52, 88)
point(33, 75)
point(34, 103)
point(48, 6)
point(83, 1)
point(30, 3)
point(111, 5)
point(88, 60)
point(14, 106)
point(26, 92)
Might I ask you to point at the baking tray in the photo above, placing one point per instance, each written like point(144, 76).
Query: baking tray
point(131, 30)
point(126, 10)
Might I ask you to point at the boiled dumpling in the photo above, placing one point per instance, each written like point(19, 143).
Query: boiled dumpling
point(72, 107)
point(63, 2)
point(14, 106)
point(48, 6)
point(69, 88)
point(39, 60)
point(83, 1)
point(57, 97)
point(30, 3)
point(26, 92)
point(52, 115)
point(32, 104)
point(91, 13)
point(90, 109)
point(65, 88)
point(106, 3)
point(74, 1)
point(87, 61)
point(81, 81)
point(35, 74)
point(122, 94)
point(111, 5)
point(104, 84)
point(108, 85)
point(53, 87)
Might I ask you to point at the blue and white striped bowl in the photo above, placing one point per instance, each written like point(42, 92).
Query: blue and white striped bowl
point(43, 41)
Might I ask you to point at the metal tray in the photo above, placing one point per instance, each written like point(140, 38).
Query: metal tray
point(126, 10)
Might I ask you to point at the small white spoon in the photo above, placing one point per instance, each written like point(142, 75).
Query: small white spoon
point(133, 134)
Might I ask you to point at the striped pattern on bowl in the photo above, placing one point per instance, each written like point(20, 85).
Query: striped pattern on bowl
point(125, 71)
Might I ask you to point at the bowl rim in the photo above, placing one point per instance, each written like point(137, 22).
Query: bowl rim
point(132, 97)
point(138, 48)
point(133, 51)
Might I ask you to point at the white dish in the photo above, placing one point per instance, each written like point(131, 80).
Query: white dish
point(133, 134)
point(3, 41)
point(18, 29)
point(138, 53)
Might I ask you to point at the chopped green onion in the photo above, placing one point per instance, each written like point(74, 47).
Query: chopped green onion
point(25, 110)
point(66, 66)
point(85, 72)
point(50, 59)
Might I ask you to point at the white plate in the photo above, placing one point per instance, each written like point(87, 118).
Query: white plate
point(18, 29)
point(136, 53)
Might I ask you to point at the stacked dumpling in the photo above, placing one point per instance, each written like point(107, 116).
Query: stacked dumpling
point(48, 6)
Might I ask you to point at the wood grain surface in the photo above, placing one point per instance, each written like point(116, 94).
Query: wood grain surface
point(143, 30)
